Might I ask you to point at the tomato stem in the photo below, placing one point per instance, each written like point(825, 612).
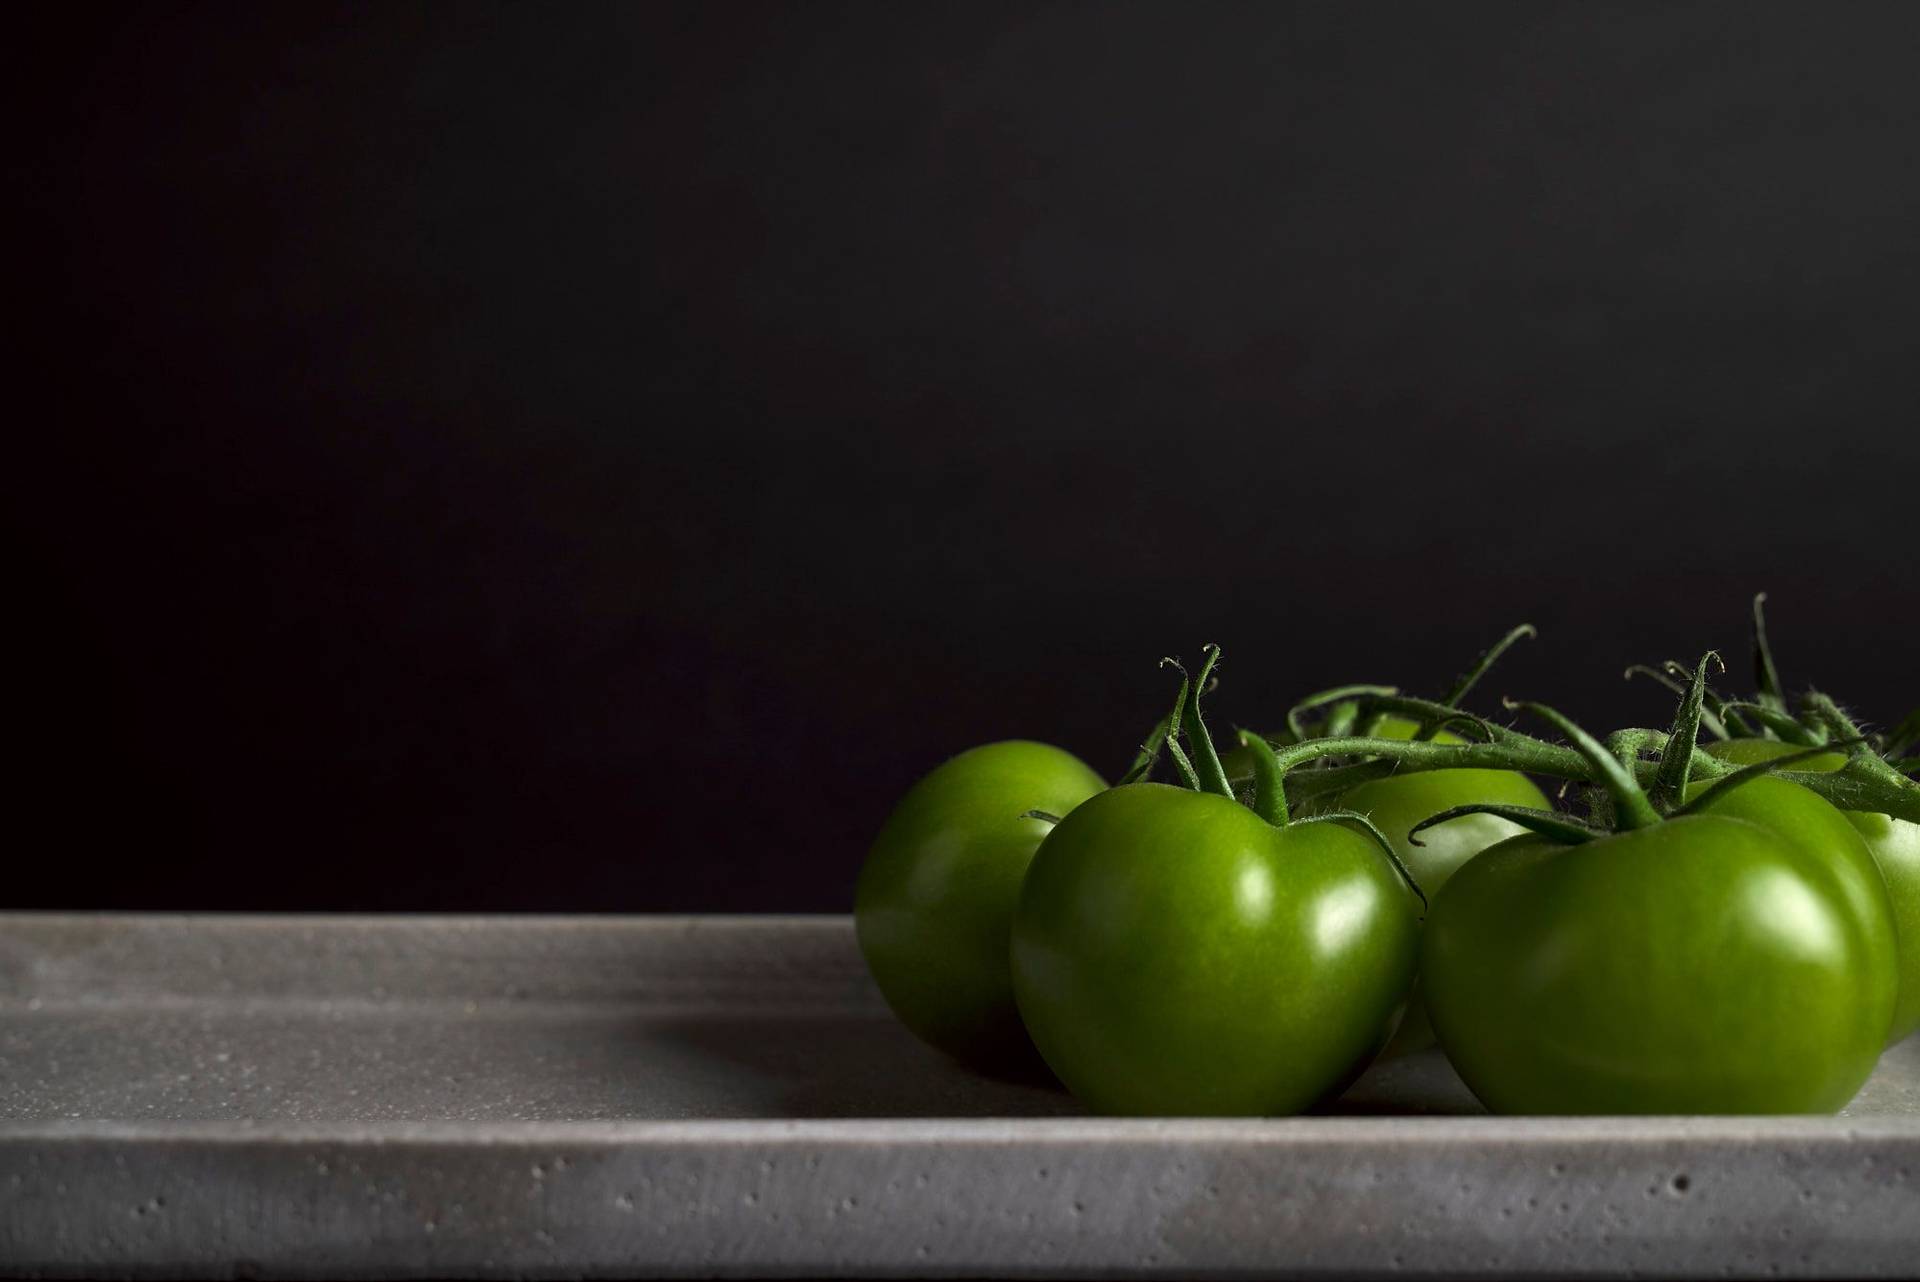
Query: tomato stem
point(1434, 717)
point(1149, 755)
point(1548, 823)
point(1670, 782)
point(1202, 770)
point(1765, 674)
point(1864, 784)
point(1359, 820)
point(1471, 677)
point(1183, 765)
point(1206, 760)
point(1903, 736)
point(1828, 716)
point(1343, 717)
point(1630, 804)
point(1773, 724)
point(1296, 725)
point(1269, 783)
point(1746, 774)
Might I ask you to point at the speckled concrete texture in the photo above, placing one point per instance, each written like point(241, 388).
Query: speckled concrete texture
point(347, 1097)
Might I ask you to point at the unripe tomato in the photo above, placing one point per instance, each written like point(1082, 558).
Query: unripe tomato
point(1895, 847)
point(1699, 965)
point(1175, 953)
point(934, 902)
point(1398, 802)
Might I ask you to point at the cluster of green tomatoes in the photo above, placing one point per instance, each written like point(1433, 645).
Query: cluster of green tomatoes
point(1721, 917)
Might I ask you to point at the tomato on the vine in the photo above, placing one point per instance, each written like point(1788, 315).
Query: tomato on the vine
point(1176, 953)
point(935, 898)
point(1703, 964)
point(1397, 802)
point(1728, 955)
point(1892, 844)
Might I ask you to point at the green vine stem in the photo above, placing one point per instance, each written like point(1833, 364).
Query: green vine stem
point(1727, 783)
point(1864, 766)
point(1765, 675)
point(1269, 793)
point(1547, 823)
point(1269, 786)
point(1631, 808)
point(1859, 785)
point(1170, 738)
point(1829, 717)
point(1669, 789)
point(1296, 722)
point(1206, 761)
point(1903, 736)
point(1343, 718)
point(1710, 717)
point(1466, 681)
point(1774, 724)
point(1183, 765)
point(1149, 755)
point(1357, 709)
point(1372, 829)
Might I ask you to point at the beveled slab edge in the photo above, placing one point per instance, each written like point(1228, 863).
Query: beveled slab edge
point(1322, 1196)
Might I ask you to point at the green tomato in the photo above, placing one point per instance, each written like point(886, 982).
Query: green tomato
point(1395, 804)
point(934, 902)
point(1895, 847)
point(1398, 802)
point(1700, 965)
point(1175, 954)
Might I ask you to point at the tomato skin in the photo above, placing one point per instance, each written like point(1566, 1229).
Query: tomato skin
point(1701, 965)
point(934, 902)
point(1893, 844)
point(1395, 804)
point(1175, 954)
point(1398, 802)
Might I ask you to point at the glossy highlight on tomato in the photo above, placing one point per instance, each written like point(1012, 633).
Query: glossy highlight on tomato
point(1703, 964)
point(934, 903)
point(1893, 846)
point(1176, 954)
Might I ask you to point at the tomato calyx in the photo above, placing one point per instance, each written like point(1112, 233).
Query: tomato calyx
point(1343, 704)
point(1357, 710)
point(1636, 778)
point(1568, 830)
point(1200, 769)
point(1660, 763)
point(1633, 807)
point(1768, 714)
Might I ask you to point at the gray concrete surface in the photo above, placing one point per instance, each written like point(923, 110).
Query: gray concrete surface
point(561, 1097)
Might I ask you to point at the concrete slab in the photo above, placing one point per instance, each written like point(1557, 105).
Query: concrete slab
point(568, 1097)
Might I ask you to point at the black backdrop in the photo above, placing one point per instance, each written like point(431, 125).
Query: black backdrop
point(560, 457)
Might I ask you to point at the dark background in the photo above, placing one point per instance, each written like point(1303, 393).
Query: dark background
point(595, 458)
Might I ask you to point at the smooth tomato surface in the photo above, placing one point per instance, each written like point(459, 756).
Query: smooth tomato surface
point(1398, 802)
point(1395, 804)
point(1174, 953)
point(935, 899)
point(1894, 845)
point(1701, 965)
